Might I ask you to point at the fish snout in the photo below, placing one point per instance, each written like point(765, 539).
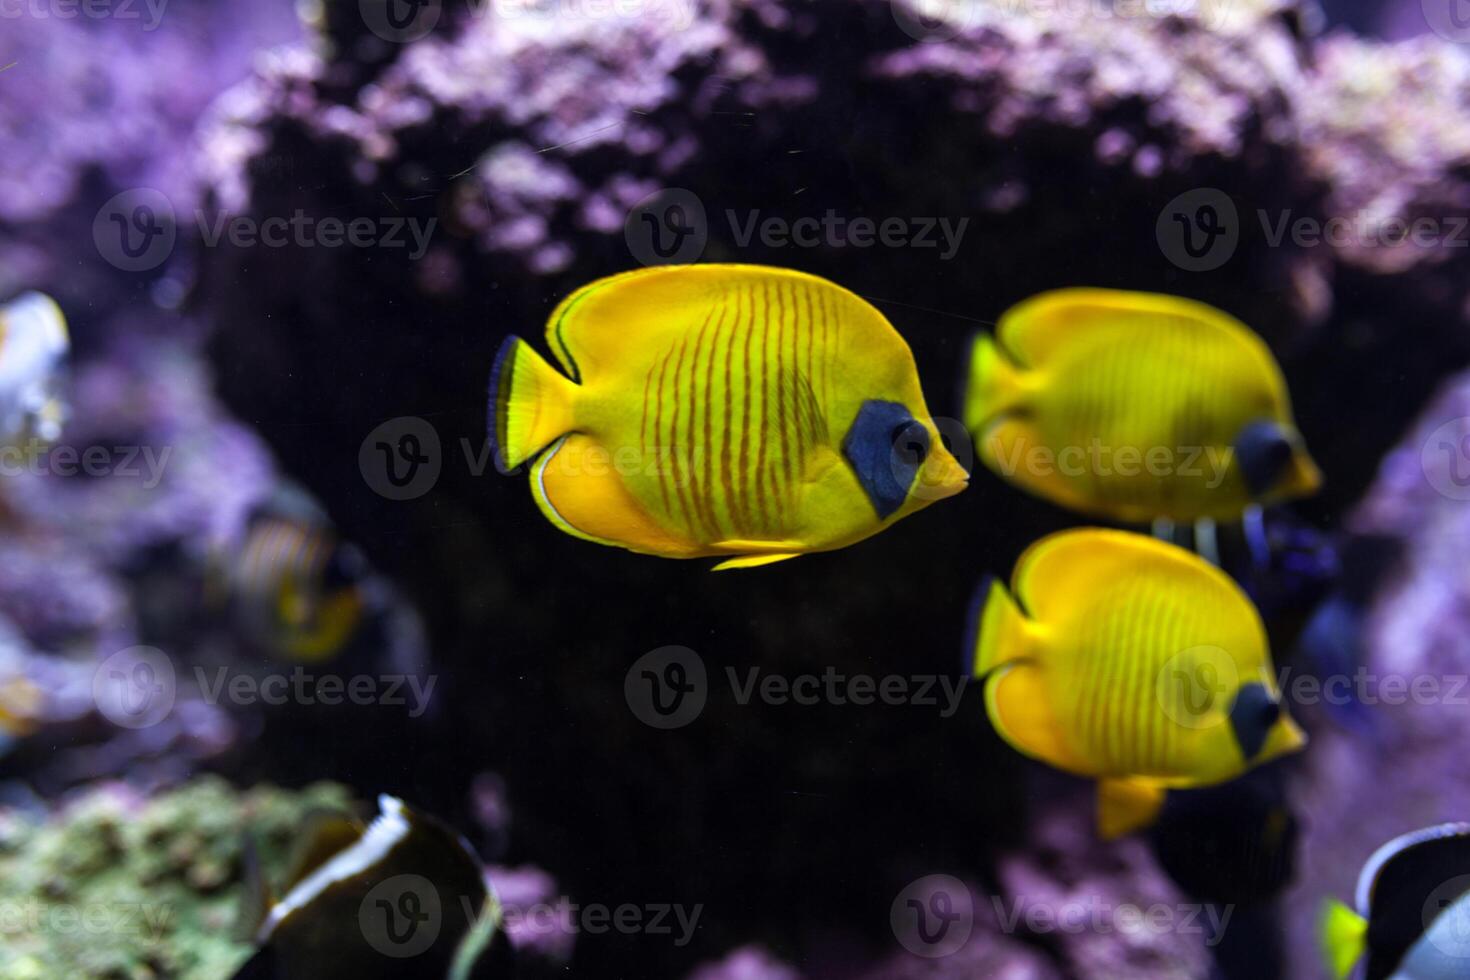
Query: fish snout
point(942, 477)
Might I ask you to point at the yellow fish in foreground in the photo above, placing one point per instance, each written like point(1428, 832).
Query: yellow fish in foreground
point(728, 410)
point(1135, 406)
point(1131, 661)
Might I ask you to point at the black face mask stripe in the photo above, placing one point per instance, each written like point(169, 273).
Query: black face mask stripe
point(885, 473)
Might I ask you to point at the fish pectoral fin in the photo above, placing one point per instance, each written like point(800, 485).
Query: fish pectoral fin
point(582, 494)
point(754, 561)
point(1019, 706)
point(1126, 805)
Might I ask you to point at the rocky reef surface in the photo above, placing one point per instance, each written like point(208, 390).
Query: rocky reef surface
point(1075, 143)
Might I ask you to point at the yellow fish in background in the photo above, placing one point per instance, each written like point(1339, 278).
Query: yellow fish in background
point(1135, 407)
point(297, 589)
point(720, 410)
point(34, 342)
point(1130, 661)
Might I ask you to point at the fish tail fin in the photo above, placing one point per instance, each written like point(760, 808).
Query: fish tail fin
point(996, 385)
point(1344, 936)
point(1000, 632)
point(531, 404)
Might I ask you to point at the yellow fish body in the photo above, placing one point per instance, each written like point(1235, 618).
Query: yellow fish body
point(298, 589)
point(1131, 661)
point(739, 411)
point(1135, 406)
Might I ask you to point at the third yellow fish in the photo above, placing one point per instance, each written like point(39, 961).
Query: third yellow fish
point(1135, 407)
point(1131, 661)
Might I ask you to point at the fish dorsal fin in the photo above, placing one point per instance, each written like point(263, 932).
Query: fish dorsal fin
point(1448, 837)
point(1051, 572)
point(1034, 329)
point(327, 834)
point(391, 827)
point(591, 330)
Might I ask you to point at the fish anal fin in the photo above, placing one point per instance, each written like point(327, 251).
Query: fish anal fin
point(754, 561)
point(1019, 707)
point(582, 494)
point(1126, 805)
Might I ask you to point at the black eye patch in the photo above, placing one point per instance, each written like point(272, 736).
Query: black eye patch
point(1252, 715)
point(1265, 450)
point(886, 447)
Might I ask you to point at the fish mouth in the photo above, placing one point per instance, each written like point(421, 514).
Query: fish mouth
point(946, 482)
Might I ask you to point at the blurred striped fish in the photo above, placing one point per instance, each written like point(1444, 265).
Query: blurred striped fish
point(297, 588)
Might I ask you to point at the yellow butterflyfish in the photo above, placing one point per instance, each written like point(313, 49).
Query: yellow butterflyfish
point(739, 411)
point(1412, 915)
point(1135, 407)
point(1130, 661)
